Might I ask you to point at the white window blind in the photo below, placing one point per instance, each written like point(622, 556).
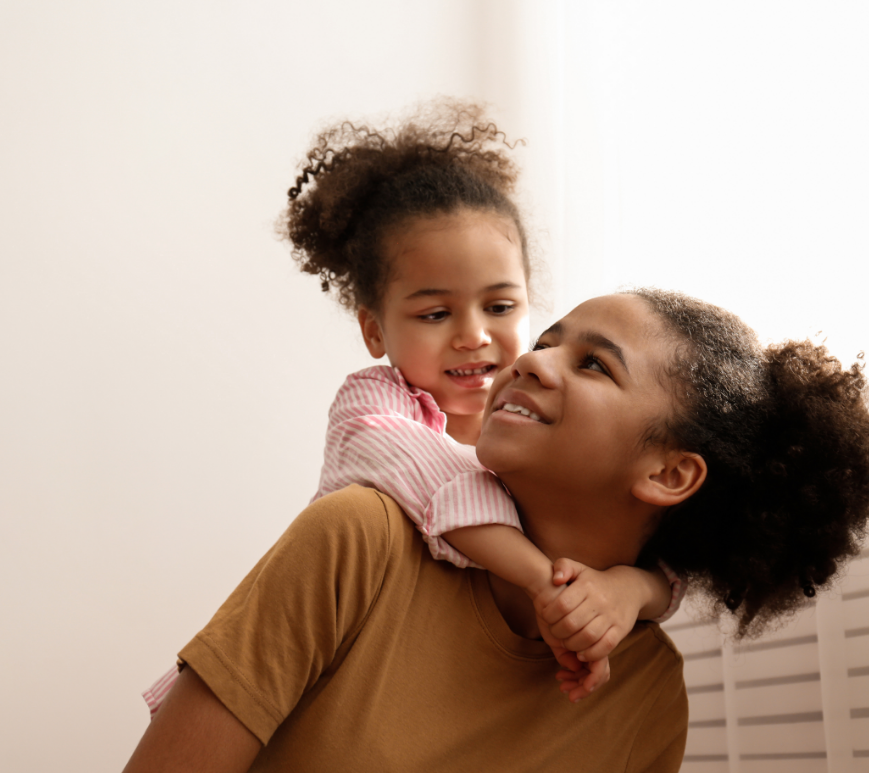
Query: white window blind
point(796, 700)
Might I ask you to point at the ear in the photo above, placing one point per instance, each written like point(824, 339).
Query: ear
point(671, 478)
point(371, 332)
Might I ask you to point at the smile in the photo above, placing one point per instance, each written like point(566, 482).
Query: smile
point(474, 372)
point(513, 408)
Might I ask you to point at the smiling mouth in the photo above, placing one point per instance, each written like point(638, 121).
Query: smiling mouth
point(471, 372)
point(513, 408)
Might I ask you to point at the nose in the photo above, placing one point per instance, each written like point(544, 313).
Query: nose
point(471, 333)
point(540, 365)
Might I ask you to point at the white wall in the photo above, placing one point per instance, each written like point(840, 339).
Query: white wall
point(724, 155)
point(166, 370)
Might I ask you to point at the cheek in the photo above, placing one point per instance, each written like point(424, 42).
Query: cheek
point(500, 381)
point(406, 342)
point(515, 338)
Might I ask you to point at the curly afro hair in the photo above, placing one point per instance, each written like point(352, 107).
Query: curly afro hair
point(357, 183)
point(784, 432)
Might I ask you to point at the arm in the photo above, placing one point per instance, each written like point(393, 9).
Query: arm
point(365, 403)
point(506, 552)
point(385, 436)
point(626, 593)
point(214, 741)
point(312, 593)
point(591, 615)
point(598, 609)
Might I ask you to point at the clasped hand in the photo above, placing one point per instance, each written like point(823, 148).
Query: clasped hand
point(583, 614)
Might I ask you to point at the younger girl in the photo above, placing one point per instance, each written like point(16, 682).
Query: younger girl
point(416, 232)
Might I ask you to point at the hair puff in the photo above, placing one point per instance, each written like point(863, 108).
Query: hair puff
point(357, 182)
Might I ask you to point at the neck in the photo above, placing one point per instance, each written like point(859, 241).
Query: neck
point(600, 529)
point(600, 534)
point(464, 428)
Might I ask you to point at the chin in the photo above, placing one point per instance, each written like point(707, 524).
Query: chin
point(492, 454)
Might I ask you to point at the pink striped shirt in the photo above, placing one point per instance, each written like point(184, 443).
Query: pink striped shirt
point(389, 435)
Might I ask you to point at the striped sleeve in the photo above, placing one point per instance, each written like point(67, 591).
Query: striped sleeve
point(156, 693)
point(386, 435)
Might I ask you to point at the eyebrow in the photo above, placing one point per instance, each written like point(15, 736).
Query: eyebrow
point(594, 338)
point(429, 291)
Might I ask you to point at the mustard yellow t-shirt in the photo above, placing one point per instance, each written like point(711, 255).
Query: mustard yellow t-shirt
point(349, 648)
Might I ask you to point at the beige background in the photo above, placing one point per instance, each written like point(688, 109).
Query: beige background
point(165, 369)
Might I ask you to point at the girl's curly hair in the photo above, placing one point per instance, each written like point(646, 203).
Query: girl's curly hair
point(784, 432)
point(357, 182)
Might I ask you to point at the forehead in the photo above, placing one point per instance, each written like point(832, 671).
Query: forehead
point(452, 245)
point(627, 321)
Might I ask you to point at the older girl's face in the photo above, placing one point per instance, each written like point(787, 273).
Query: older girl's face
point(572, 414)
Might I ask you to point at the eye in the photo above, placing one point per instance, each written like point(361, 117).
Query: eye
point(538, 345)
point(499, 309)
point(590, 362)
point(434, 316)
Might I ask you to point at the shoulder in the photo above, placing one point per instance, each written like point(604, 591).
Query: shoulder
point(648, 642)
point(649, 664)
point(370, 383)
point(656, 689)
point(355, 509)
point(353, 522)
point(383, 390)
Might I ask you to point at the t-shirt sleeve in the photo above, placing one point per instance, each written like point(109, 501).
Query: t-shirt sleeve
point(660, 743)
point(384, 436)
point(309, 595)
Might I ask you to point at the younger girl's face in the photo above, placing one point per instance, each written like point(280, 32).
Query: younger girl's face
point(455, 312)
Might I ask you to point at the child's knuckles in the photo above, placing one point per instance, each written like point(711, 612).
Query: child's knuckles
point(563, 605)
point(581, 641)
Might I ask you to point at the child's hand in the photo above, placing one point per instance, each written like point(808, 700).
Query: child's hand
point(579, 685)
point(595, 610)
point(578, 680)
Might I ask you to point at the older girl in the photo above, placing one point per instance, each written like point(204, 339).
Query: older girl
point(348, 646)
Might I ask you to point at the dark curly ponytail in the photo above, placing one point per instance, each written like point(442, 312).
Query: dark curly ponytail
point(357, 183)
point(785, 435)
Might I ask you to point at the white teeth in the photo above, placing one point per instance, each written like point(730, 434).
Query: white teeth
point(474, 372)
point(513, 408)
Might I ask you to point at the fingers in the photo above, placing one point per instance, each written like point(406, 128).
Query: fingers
point(584, 620)
point(568, 660)
point(546, 633)
point(570, 601)
point(579, 630)
point(579, 685)
point(546, 595)
point(564, 571)
point(601, 648)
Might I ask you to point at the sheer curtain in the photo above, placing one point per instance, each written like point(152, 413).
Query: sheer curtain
point(718, 149)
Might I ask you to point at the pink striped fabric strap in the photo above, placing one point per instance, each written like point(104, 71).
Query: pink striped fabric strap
point(156, 693)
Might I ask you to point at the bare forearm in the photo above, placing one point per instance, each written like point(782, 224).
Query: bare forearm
point(505, 552)
point(193, 731)
point(652, 589)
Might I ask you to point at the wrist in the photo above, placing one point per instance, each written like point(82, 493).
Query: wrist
point(652, 592)
point(638, 589)
point(537, 584)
